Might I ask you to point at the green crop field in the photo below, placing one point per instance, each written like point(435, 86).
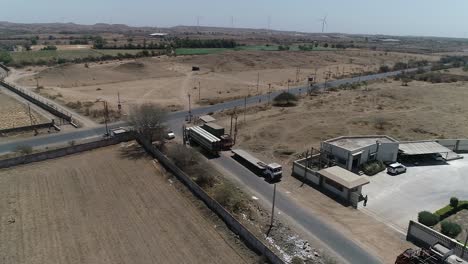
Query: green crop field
point(48, 55)
point(199, 51)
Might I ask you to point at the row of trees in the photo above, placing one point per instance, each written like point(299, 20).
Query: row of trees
point(106, 57)
point(100, 43)
point(325, 45)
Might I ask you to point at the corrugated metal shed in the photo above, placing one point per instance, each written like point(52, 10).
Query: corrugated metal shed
point(343, 177)
point(422, 147)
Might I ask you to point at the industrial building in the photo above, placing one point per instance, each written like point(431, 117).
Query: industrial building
point(350, 152)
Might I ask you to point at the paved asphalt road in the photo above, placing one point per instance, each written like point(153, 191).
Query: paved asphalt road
point(176, 119)
point(343, 246)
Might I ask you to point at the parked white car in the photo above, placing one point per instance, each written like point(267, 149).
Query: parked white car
point(170, 135)
point(396, 168)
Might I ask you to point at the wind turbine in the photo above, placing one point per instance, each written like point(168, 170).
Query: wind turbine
point(324, 22)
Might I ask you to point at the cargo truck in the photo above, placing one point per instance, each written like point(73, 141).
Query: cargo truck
point(272, 171)
point(204, 139)
point(218, 131)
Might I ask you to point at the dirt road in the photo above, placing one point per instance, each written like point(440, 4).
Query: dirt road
point(110, 205)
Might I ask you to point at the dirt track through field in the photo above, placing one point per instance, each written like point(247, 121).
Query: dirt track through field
point(104, 206)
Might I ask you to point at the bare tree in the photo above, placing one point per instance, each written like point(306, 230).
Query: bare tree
point(148, 120)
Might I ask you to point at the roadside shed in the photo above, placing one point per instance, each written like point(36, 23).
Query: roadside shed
point(207, 119)
point(343, 183)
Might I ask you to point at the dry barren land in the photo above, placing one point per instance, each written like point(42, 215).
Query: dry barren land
point(103, 206)
point(224, 76)
point(14, 113)
point(419, 111)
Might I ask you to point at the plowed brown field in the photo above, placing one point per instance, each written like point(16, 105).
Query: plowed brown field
point(103, 206)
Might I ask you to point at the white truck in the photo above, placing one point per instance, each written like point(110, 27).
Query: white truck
point(272, 171)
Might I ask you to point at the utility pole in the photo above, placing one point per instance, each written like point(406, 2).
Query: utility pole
point(235, 126)
point(288, 84)
point(269, 92)
point(106, 116)
point(199, 92)
point(119, 106)
point(190, 108)
point(230, 130)
point(273, 206)
point(258, 81)
point(30, 115)
point(245, 107)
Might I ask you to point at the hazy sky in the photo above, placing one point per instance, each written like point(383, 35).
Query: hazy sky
point(397, 17)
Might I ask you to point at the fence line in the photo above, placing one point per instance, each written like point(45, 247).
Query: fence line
point(38, 101)
point(250, 239)
point(28, 128)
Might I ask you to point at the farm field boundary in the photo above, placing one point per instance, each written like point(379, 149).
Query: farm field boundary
point(52, 154)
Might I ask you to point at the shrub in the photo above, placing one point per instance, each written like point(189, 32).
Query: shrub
point(427, 218)
point(454, 202)
point(285, 99)
point(373, 167)
point(384, 68)
point(24, 149)
point(450, 229)
point(227, 196)
point(297, 260)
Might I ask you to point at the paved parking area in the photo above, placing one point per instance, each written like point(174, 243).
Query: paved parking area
point(398, 199)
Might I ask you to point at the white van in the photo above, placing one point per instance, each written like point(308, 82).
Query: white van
point(396, 168)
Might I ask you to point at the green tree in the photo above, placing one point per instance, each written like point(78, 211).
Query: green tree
point(5, 57)
point(454, 202)
point(285, 99)
point(427, 218)
point(450, 229)
point(148, 120)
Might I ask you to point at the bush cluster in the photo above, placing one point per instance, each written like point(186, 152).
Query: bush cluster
point(427, 218)
point(285, 99)
point(450, 229)
point(373, 167)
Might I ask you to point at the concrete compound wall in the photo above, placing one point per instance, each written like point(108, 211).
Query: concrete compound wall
point(26, 128)
point(456, 145)
point(426, 237)
point(52, 154)
point(300, 172)
point(230, 221)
